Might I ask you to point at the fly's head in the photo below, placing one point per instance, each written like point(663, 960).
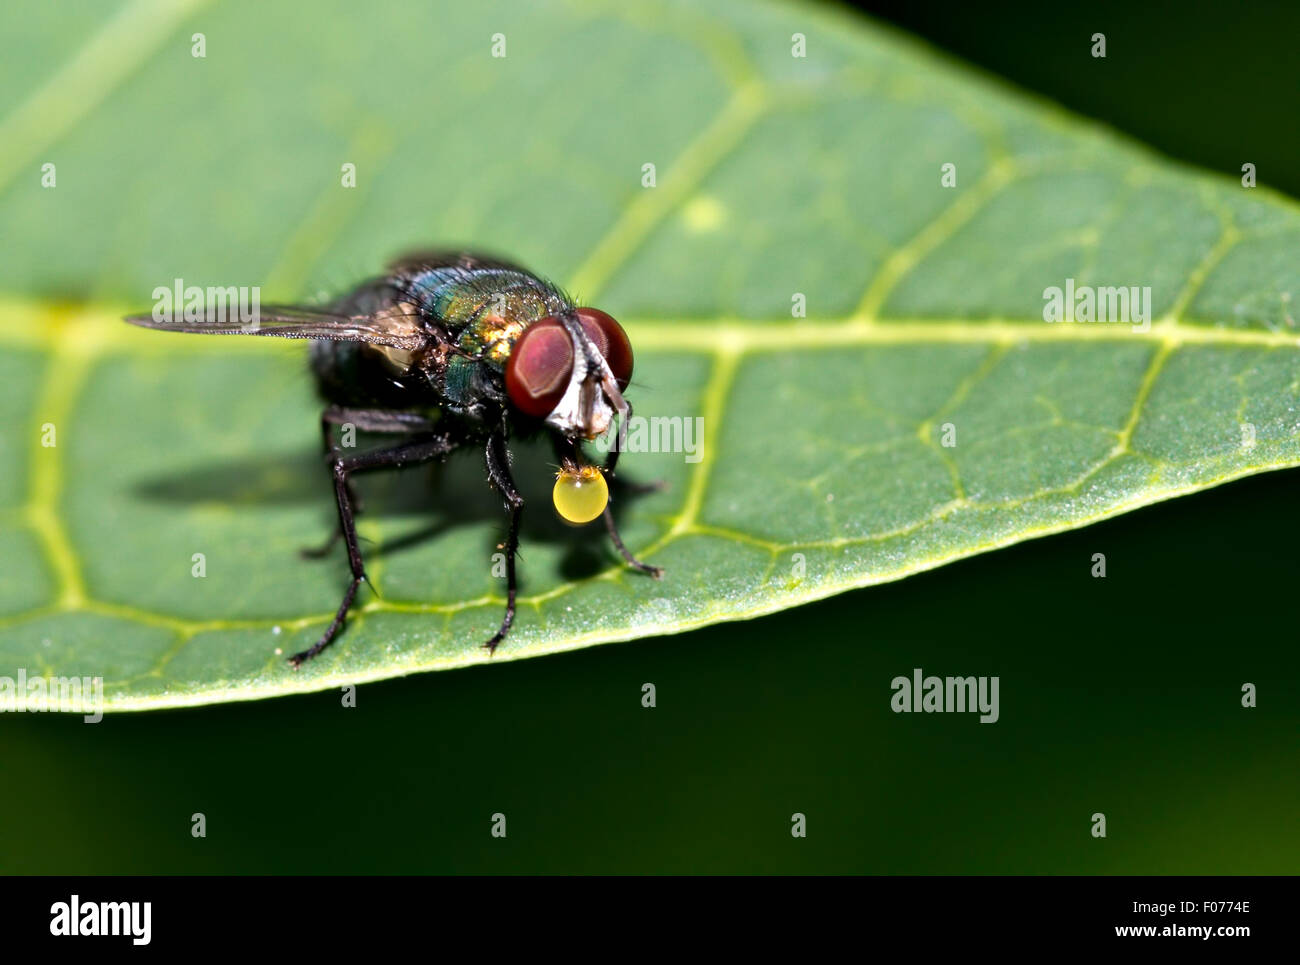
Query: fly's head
point(570, 370)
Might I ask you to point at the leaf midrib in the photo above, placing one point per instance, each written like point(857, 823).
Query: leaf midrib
point(96, 330)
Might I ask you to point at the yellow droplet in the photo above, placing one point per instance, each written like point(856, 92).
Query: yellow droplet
point(580, 495)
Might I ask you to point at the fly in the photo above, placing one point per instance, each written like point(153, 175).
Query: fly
point(448, 351)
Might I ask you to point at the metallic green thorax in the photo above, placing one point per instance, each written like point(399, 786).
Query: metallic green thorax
point(484, 310)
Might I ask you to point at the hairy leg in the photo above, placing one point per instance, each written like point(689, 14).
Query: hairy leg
point(407, 454)
point(498, 466)
point(367, 420)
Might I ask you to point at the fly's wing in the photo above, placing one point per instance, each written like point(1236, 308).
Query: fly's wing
point(397, 327)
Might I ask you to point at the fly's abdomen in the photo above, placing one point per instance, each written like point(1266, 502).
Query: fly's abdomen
point(360, 376)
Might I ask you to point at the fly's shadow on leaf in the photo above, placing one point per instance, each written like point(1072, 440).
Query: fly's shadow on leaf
point(449, 494)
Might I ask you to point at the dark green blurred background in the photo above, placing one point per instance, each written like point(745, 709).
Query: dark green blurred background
point(1119, 695)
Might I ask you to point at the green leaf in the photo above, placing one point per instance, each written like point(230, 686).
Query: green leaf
point(823, 464)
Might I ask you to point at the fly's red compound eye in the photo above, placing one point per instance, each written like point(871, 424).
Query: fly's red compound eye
point(608, 336)
point(540, 366)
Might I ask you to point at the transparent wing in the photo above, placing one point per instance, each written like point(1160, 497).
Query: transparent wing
point(395, 327)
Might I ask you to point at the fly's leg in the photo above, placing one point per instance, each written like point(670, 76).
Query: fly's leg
point(329, 449)
point(498, 467)
point(367, 420)
point(617, 540)
point(407, 454)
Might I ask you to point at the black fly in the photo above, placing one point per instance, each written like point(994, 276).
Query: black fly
point(447, 351)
